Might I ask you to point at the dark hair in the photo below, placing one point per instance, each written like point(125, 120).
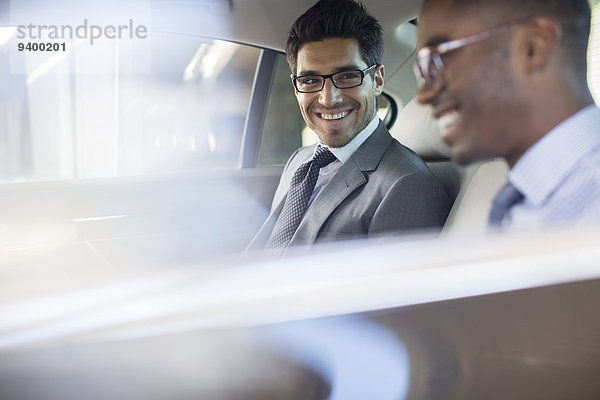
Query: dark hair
point(574, 17)
point(337, 19)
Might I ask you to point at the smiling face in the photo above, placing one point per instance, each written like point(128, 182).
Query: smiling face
point(478, 108)
point(337, 115)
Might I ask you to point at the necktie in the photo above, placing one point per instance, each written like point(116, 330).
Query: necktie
point(296, 202)
point(507, 197)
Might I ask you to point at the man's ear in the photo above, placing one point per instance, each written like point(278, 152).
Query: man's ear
point(540, 40)
point(378, 79)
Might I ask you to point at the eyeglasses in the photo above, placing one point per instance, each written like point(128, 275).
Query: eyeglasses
point(429, 67)
point(341, 80)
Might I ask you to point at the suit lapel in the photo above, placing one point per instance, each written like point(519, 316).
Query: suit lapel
point(350, 177)
point(347, 179)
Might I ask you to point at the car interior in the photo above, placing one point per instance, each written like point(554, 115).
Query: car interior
point(177, 146)
point(134, 172)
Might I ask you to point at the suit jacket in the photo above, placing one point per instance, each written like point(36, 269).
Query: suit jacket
point(383, 188)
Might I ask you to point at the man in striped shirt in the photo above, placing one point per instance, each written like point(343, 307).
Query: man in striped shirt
point(508, 79)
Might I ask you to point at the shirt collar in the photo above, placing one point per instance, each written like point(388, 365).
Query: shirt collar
point(345, 152)
point(547, 163)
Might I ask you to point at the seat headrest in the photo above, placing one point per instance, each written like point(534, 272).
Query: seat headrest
point(416, 128)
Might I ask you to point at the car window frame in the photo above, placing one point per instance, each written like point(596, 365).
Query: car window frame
point(257, 108)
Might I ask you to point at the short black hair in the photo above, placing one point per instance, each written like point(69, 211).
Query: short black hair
point(337, 19)
point(574, 17)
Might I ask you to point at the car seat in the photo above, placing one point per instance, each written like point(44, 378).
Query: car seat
point(472, 187)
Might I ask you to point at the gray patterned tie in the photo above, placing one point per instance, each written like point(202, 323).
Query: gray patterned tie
point(507, 197)
point(296, 202)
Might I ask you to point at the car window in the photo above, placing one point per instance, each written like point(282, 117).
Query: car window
point(285, 130)
point(184, 111)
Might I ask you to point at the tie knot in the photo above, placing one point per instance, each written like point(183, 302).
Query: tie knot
point(508, 196)
point(323, 156)
point(505, 199)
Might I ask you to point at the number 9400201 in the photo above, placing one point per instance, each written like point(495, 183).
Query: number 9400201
point(41, 46)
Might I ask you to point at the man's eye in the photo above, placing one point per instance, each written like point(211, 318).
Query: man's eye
point(309, 80)
point(349, 75)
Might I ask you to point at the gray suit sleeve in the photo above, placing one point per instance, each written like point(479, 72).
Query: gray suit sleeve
point(414, 202)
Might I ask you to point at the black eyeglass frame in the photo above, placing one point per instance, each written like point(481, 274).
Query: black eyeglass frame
point(363, 73)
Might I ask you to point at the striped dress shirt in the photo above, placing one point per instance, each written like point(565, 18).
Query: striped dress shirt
point(559, 176)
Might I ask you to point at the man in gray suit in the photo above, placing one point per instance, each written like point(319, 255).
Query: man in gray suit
point(358, 181)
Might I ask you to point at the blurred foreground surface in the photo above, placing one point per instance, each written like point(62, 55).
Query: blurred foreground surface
point(509, 317)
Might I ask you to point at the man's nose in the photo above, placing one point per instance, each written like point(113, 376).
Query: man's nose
point(330, 95)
